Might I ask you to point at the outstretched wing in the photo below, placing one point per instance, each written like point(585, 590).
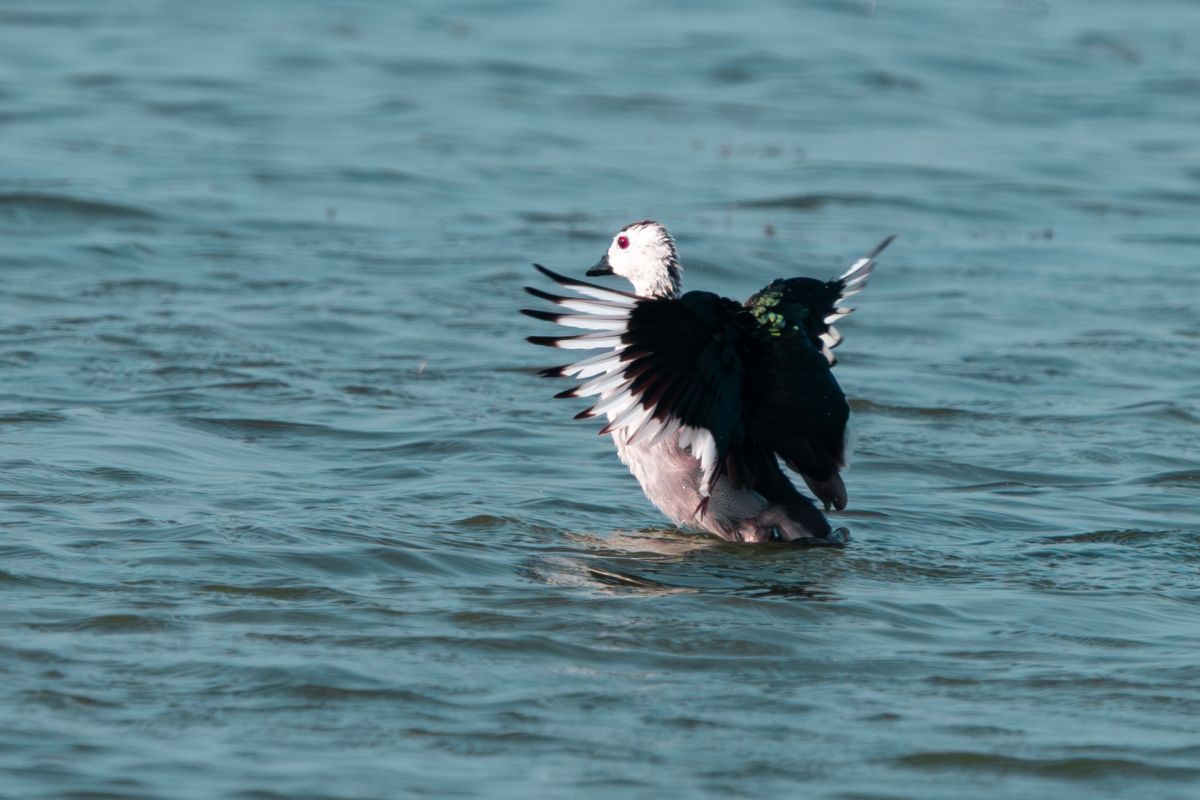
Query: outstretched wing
point(796, 409)
point(670, 364)
point(793, 403)
point(815, 304)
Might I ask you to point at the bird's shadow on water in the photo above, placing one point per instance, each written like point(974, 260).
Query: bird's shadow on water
point(662, 561)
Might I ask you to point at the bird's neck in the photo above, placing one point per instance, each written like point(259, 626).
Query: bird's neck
point(662, 284)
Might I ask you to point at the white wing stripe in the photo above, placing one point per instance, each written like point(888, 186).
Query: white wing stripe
point(663, 431)
point(648, 426)
point(592, 306)
point(587, 367)
point(631, 417)
point(595, 322)
point(601, 386)
point(616, 402)
point(855, 278)
point(703, 447)
point(601, 294)
point(851, 275)
point(611, 363)
point(588, 341)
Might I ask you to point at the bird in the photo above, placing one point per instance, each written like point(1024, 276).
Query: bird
point(708, 399)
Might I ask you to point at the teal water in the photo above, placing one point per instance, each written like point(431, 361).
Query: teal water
point(285, 512)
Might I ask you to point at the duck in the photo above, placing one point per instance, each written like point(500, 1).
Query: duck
point(709, 400)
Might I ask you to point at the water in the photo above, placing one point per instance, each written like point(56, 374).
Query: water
point(286, 512)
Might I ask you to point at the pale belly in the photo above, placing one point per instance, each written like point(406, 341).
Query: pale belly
point(670, 476)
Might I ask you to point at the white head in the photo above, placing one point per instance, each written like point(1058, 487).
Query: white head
point(644, 254)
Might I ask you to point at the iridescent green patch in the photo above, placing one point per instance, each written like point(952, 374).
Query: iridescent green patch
point(763, 307)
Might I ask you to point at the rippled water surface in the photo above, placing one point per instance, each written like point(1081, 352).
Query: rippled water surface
point(286, 512)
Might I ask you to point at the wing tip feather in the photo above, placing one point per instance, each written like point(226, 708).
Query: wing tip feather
point(879, 248)
point(564, 280)
point(537, 313)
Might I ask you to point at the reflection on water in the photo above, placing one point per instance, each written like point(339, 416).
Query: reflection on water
point(667, 561)
point(285, 511)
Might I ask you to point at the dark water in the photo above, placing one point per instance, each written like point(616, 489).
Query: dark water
point(286, 513)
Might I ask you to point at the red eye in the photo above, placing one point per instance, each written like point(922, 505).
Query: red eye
point(622, 242)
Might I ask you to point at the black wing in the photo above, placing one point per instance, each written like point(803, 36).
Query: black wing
point(814, 304)
point(794, 403)
point(796, 408)
point(669, 365)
